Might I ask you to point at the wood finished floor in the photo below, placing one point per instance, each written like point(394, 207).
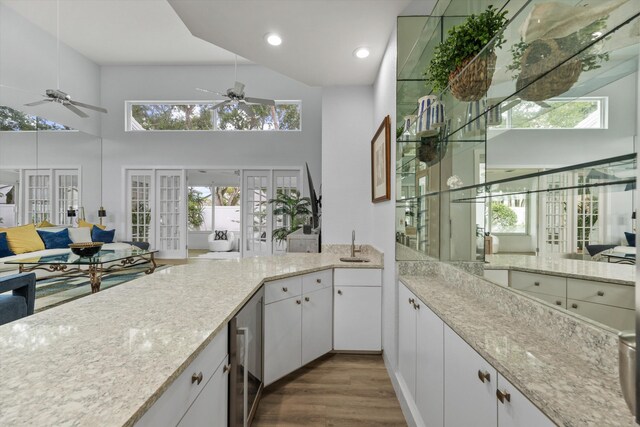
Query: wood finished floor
point(335, 390)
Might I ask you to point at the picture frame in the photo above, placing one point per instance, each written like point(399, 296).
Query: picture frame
point(381, 162)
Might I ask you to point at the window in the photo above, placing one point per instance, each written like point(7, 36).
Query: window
point(509, 214)
point(556, 113)
point(181, 116)
point(14, 120)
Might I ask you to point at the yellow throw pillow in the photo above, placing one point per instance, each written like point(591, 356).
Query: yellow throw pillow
point(83, 223)
point(23, 239)
point(45, 224)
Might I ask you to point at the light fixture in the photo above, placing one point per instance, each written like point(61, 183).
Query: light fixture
point(361, 52)
point(273, 39)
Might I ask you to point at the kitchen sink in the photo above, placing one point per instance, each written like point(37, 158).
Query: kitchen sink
point(353, 259)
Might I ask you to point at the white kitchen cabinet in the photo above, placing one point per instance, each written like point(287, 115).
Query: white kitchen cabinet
point(539, 283)
point(173, 404)
point(407, 345)
point(500, 277)
point(614, 317)
point(357, 321)
point(515, 410)
point(317, 324)
point(469, 395)
point(210, 408)
point(429, 395)
point(357, 313)
point(282, 338)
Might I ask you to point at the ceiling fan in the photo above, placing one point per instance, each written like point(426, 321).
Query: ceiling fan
point(236, 95)
point(58, 96)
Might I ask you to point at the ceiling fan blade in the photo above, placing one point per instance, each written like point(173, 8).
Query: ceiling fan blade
point(220, 105)
point(89, 106)
point(33, 104)
point(260, 101)
point(238, 88)
point(76, 110)
point(199, 89)
point(246, 108)
point(543, 104)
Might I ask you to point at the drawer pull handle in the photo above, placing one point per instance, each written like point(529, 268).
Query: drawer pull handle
point(318, 280)
point(196, 378)
point(484, 376)
point(536, 283)
point(298, 301)
point(306, 299)
point(600, 293)
point(503, 395)
point(574, 305)
point(226, 368)
point(412, 301)
point(285, 289)
point(339, 292)
point(416, 306)
point(558, 302)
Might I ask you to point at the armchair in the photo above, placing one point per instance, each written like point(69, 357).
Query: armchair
point(221, 245)
point(21, 302)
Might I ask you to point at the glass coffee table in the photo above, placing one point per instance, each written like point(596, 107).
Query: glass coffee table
point(614, 256)
point(104, 262)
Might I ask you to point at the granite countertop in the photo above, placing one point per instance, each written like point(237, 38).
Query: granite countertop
point(106, 358)
point(623, 274)
point(568, 389)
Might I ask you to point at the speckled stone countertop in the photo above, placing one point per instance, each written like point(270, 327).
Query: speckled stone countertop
point(103, 360)
point(578, 269)
point(568, 389)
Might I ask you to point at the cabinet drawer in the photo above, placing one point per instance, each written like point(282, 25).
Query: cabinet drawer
point(601, 293)
point(539, 283)
point(282, 289)
point(357, 277)
point(174, 402)
point(614, 317)
point(318, 280)
point(551, 299)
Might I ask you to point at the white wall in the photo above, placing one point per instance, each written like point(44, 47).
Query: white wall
point(347, 114)
point(202, 149)
point(28, 66)
point(384, 103)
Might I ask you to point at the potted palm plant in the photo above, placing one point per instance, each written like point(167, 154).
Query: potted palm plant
point(456, 63)
point(293, 209)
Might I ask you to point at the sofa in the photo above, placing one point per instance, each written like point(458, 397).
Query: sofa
point(21, 301)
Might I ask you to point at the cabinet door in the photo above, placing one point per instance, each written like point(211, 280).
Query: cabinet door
point(282, 338)
point(515, 410)
point(407, 338)
point(617, 318)
point(357, 322)
point(317, 324)
point(210, 408)
point(468, 401)
point(429, 366)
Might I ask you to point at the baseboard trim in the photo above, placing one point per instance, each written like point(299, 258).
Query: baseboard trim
point(409, 409)
point(375, 352)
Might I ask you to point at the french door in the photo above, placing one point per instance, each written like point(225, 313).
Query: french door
point(48, 193)
point(156, 210)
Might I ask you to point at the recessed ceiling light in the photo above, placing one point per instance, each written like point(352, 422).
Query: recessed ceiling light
point(273, 39)
point(361, 52)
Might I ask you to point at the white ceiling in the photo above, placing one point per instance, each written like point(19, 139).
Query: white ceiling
point(319, 36)
point(123, 31)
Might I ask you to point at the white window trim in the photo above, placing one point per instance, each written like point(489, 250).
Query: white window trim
point(130, 103)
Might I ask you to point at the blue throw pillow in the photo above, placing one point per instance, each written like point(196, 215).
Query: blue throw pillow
point(631, 238)
point(4, 246)
point(104, 236)
point(55, 239)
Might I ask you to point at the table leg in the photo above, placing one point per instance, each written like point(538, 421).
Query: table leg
point(94, 276)
point(153, 265)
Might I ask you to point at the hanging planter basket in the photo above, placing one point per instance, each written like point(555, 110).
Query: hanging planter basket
point(472, 79)
point(542, 55)
point(431, 150)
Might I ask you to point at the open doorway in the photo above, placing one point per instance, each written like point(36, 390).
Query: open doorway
point(9, 184)
point(214, 213)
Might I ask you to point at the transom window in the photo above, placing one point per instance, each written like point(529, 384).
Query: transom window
point(201, 116)
point(14, 121)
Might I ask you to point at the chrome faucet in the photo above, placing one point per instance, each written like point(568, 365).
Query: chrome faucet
point(353, 244)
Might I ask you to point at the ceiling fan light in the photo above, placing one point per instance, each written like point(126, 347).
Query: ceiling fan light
point(361, 52)
point(273, 39)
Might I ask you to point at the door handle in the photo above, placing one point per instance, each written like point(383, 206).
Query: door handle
point(306, 299)
point(536, 283)
point(484, 376)
point(226, 368)
point(416, 306)
point(339, 292)
point(503, 395)
point(412, 301)
point(196, 378)
point(600, 293)
point(285, 289)
point(318, 280)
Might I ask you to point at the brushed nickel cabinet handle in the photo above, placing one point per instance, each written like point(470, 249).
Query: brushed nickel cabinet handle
point(226, 368)
point(298, 301)
point(574, 305)
point(412, 301)
point(536, 283)
point(600, 293)
point(196, 378)
point(339, 292)
point(285, 289)
point(318, 280)
point(306, 299)
point(503, 395)
point(484, 376)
